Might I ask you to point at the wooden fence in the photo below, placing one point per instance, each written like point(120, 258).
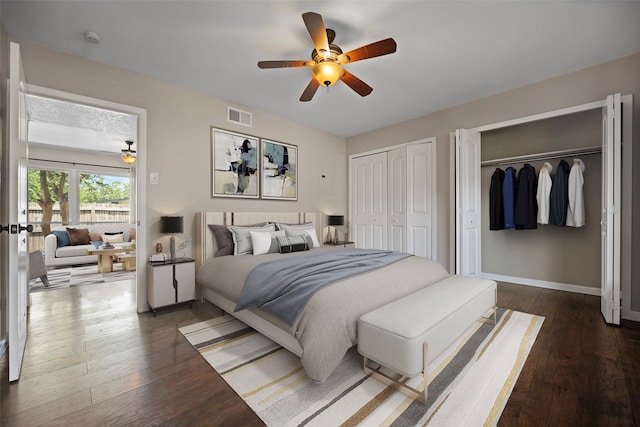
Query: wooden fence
point(90, 213)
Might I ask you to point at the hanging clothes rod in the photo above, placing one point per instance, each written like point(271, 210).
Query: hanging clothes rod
point(542, 156)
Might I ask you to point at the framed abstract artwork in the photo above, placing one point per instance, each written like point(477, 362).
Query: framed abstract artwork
point(279, 173)
point(234, 164)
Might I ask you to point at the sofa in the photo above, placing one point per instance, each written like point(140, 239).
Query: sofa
point(68, 245)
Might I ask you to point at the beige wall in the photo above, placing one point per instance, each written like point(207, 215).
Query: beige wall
point(584, 86)
point(178, 140)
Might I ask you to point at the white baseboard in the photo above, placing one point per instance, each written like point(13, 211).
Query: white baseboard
point(543, 284)
point(631, 315)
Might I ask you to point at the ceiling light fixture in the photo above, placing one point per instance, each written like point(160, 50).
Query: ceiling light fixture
point(327, 73)
point(128, 155)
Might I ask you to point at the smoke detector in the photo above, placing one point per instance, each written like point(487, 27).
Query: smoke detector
point(92, 37)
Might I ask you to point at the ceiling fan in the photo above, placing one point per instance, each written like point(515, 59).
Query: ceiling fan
point(328, 59)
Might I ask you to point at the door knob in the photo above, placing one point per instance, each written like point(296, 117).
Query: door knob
point(28, 228)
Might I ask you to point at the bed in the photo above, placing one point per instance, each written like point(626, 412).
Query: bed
point(327, 326)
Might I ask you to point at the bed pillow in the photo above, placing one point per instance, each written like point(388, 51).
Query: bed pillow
point(265, 242)
point(62, 237)
point(224, 240)
point(78, 236)
point(300, 229)
point(294, 243)
point(242, 237)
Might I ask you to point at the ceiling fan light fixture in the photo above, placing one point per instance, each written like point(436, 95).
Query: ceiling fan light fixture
point(128, 155)
point(327, 73)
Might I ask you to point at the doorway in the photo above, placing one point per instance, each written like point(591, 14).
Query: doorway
point(83, 138)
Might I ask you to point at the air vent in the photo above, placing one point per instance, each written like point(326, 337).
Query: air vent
point(240, 117)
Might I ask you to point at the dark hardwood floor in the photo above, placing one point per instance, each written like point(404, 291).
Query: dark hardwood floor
point(91, 360)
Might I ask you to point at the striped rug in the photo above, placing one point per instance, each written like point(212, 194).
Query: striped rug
point(79, 276)
point(469, 384)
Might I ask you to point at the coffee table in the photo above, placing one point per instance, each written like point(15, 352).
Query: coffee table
point(128, 261)
point(105, 257)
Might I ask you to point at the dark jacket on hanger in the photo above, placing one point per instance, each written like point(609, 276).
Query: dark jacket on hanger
point(509, 197)
point(496, 207)
point(526, 211)
point(559, 197)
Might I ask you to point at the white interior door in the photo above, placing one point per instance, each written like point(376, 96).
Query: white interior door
point(419, 199)
point(611, 209)
point(396, 196)
point(369, 201)
point(468, 233)
point(15, 179)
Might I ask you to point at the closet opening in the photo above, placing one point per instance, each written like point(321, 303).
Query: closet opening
point(563, 257)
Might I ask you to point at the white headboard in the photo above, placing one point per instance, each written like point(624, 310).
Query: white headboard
point(206, 244)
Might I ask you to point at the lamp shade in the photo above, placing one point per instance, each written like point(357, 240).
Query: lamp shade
point(171, 224)
point(336, 219)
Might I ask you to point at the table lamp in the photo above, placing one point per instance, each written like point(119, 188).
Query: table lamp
point(333, 221)
point(172, 225)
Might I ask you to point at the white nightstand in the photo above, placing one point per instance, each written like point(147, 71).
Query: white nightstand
point(350, 245)
point(171, 282)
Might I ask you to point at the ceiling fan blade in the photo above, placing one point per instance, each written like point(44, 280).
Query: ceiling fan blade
point(379, 48)
point(283, 64)
point(310, 90)
point(317, 31)
point(356, 84)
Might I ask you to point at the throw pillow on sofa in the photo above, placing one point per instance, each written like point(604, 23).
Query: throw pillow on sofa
point(62, 237)
point(113, 238)
point(78, 236)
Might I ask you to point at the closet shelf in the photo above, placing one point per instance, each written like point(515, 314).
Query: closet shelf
point(542, 156)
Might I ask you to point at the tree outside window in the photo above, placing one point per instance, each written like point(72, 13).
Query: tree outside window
point(46, 188)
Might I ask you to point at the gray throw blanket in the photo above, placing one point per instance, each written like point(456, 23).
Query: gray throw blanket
point(283, 287)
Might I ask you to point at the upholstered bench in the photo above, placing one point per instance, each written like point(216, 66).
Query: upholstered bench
point(407, 333)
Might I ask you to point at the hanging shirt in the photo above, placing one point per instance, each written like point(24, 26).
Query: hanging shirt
point(509, 197)
point(542, 195)
point(496, 206)
point(575, 210)
point(559, 197)
point(526, 210)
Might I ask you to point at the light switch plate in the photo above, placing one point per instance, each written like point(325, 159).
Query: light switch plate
point(154, 178)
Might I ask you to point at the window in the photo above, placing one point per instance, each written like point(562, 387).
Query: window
point(60, 197)
point(103, 198)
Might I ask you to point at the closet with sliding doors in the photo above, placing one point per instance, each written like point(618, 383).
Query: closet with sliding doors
point(582, 254)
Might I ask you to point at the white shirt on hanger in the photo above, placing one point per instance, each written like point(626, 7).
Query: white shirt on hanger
point(575, 210)
point(544, 189)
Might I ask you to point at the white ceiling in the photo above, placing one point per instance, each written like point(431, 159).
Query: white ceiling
point(448, 53)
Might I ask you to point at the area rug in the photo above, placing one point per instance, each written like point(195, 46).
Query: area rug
point(469, 384)
point(60, 278)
